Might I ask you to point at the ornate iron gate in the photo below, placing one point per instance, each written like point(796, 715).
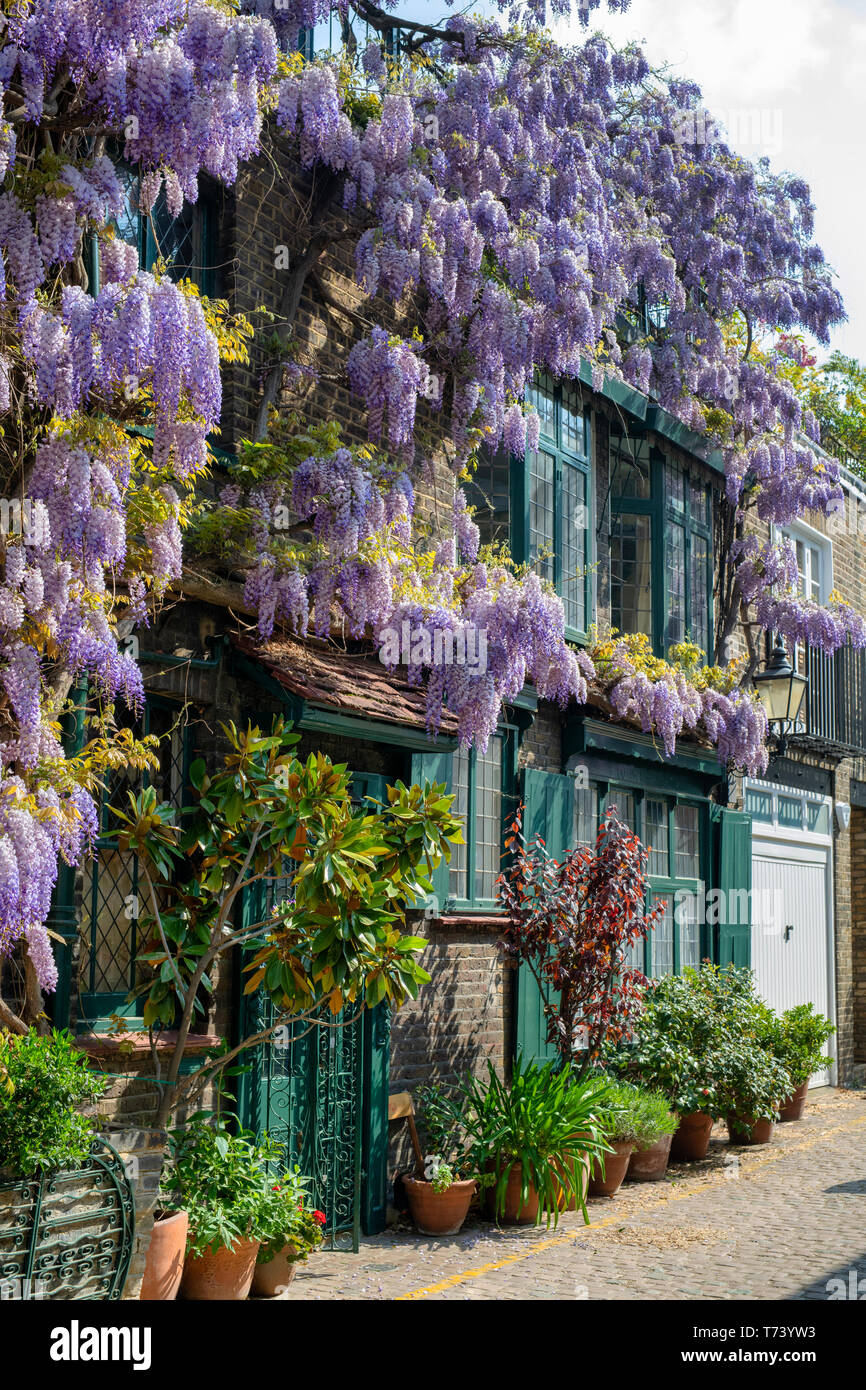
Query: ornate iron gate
point(305, 1090)
point(67, 1234)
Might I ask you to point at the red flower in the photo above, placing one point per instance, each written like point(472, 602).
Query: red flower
point(320, 1217)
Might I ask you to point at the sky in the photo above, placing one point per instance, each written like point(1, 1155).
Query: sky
point(787, 78)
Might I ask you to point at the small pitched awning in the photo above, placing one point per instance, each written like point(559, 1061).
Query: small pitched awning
point(343, 685)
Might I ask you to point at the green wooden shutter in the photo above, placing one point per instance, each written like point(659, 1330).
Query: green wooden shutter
point(735, 882)
point(377, 1070)
point(431, 766)
point(549, 811)
point(369, 786)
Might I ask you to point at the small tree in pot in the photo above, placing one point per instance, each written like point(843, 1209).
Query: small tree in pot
point(573, 925)
point(797, 1039)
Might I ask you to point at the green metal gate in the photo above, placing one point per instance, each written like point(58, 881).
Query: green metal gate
point(320, 1088)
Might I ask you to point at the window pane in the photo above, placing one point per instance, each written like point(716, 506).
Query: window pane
point(791, 811)
point(541, 512)
point(675, 571)
point(457, 885)
point(699, 503)
point(687, 858)
point(656, 838)
point(622, 805)
point(675, 487)
point(573, 557)
point(817, 817)
point(760, 804)
point(489, 493)
point(488, 818)
point(585, 815)
point(573, 421)
point(541, 395)
point(698, 595)
point(662, 939)
point(629, 467)
point(689, 929)
point(630, 566)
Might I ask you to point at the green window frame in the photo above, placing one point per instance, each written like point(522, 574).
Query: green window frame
point(675, 831)
point(188, 243)
point(109, 928)
point(552, 500)
point(661, 553)
point(483, 785)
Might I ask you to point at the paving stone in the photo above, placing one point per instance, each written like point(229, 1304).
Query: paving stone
point(791, 1220)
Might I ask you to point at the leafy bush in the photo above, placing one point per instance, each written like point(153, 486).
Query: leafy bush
point(546, 1121)
point(751, 1083)
point(222, 1181)
point(698, 1036)
point(637, 1115)
point(43, 1082)
point(797, 1038)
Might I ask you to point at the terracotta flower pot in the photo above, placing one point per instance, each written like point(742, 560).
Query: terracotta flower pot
point(740, 1131)
point(163, 1267)
point(615, 1165)
point(516, 1213)
point(692, 1137)
point(650, 1164)
point(439, 1213)
point(795, 1104)
point(276, 1275)
point(220, 1276)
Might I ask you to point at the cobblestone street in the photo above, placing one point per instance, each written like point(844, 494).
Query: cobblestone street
point(777, 1222)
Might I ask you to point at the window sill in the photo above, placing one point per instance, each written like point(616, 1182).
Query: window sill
point(138, 1044)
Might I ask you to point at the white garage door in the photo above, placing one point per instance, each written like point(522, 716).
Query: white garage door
point(792, 931)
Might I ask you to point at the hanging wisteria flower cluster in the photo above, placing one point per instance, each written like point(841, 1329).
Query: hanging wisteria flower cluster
point(183, 85)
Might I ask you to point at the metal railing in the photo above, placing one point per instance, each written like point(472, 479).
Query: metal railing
point(835, 705)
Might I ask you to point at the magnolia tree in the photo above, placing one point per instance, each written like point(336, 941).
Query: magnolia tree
point(509, 194)
point(324, 884)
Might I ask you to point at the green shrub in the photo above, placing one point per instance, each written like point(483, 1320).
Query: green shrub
point(698, 1037)
point(222, 1181)
point(797, 1038)
point(43, 1082)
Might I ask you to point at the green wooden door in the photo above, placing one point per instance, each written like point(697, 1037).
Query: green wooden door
point(734, 929)
point(549, 802)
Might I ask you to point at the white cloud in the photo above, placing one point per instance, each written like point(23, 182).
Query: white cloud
point(801, 63)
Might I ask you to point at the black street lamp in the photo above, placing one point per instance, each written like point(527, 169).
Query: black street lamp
point(781, 689)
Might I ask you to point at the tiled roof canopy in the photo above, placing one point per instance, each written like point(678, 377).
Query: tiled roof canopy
point(352, 683)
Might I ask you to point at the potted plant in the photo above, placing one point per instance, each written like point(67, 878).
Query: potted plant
point(653, 1126)
point(54, 1164)
point(634, 1117)
point(290, 1229)
point(797, 1038)
point(751, 1083)
point(532, 1140)
point(683, 1047)
point(163, 1269)
point(439, 1201)
point(222, 1181)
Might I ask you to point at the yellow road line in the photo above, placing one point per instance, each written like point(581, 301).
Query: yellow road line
point(709, 1180)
